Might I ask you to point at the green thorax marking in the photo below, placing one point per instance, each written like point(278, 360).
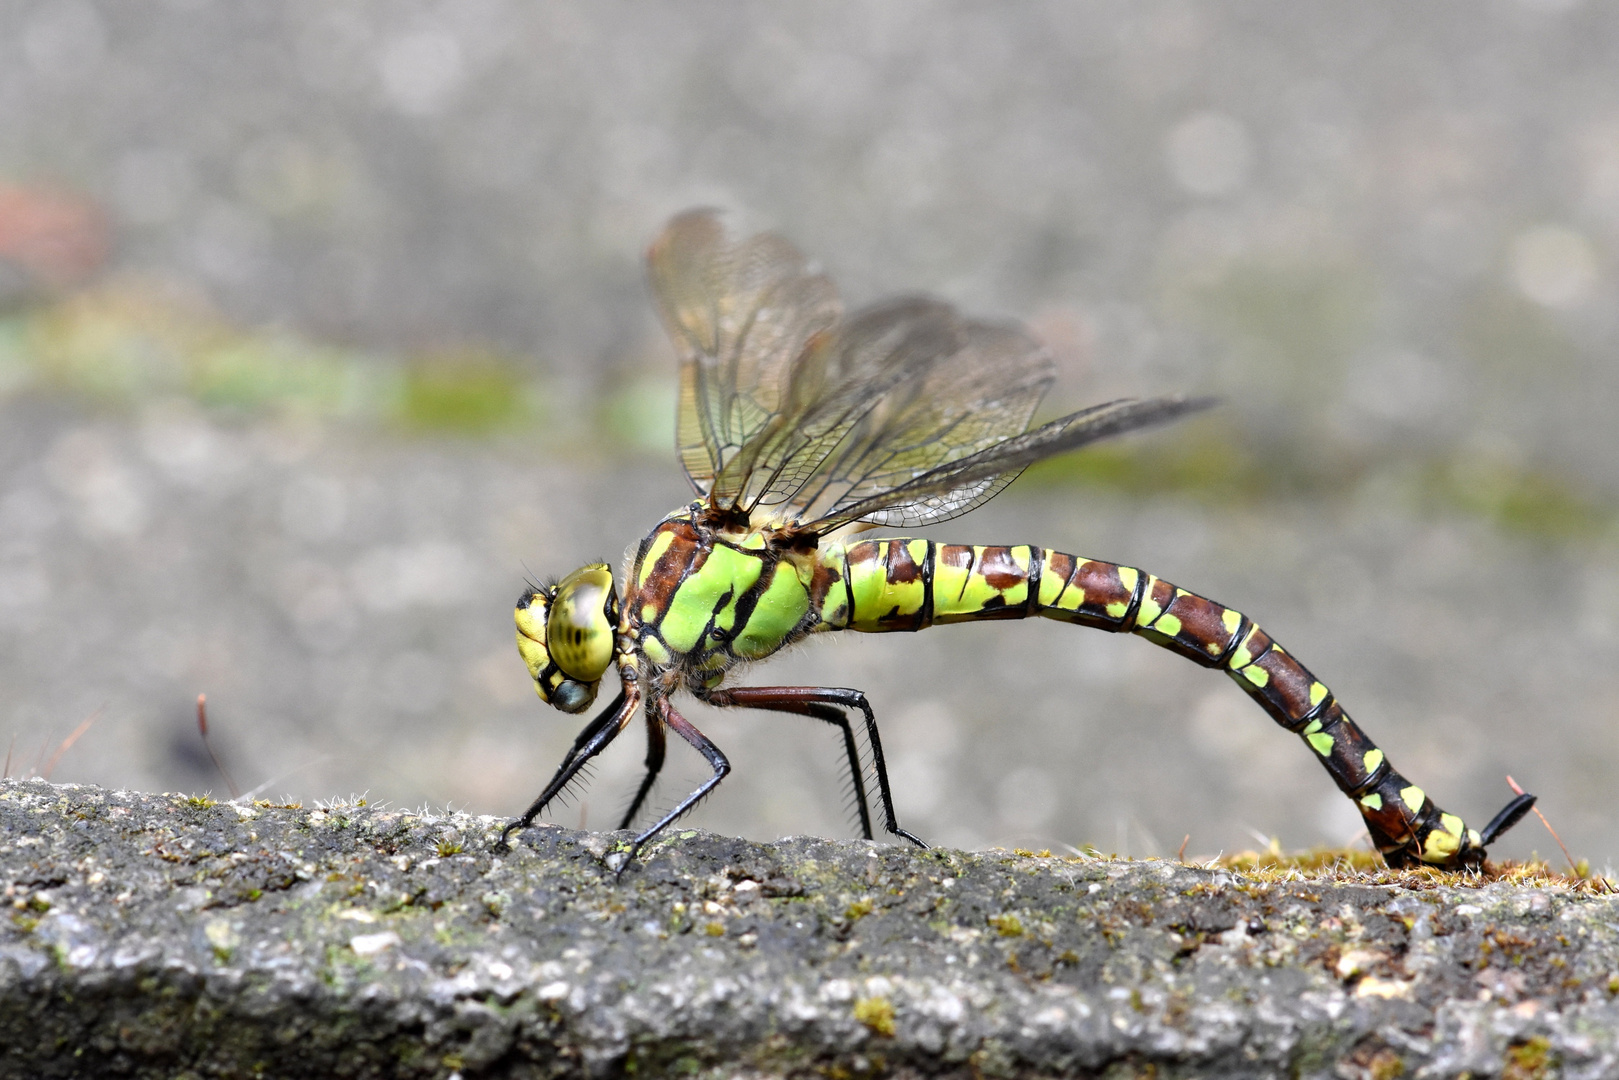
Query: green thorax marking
point(703, 599)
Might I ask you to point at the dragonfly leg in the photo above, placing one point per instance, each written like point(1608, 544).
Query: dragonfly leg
point(799, 699)
point(591, 741)
point(700, 742)
point(655, 745)
point(834, 716)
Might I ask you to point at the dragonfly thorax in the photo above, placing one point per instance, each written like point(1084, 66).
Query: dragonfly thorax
point(701, 598)
point(566, 634)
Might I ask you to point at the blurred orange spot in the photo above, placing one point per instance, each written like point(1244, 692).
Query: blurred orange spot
point(56, 236)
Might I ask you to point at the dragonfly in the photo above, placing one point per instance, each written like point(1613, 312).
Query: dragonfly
point(800, 428)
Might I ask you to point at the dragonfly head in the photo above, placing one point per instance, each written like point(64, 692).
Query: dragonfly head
point(566, 632)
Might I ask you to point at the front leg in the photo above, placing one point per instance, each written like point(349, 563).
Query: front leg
point(686, 730)
point(810, 701)
point(591, 741)
point(654, 765)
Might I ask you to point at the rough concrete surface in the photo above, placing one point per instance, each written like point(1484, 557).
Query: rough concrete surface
point(1385, 234)
point(161, 935)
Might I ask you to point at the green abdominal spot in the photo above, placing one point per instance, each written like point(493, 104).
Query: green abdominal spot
point(781, 608)
point(966, 596)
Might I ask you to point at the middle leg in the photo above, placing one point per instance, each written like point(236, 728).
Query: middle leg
point(832, 715)
point(803, 700)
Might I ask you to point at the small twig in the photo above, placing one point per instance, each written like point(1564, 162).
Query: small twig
point(1180, 856)
point(84, 726)
point(1513, 784)
point(9, 749)
point(202, 726)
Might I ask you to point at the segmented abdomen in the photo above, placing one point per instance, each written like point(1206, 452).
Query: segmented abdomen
point(896, 585)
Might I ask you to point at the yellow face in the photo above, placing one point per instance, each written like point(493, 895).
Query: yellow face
point(566, 635)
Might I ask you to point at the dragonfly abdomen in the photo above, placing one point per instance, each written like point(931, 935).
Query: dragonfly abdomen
point(908, 584)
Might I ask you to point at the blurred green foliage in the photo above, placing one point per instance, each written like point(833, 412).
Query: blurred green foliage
point(1512, 337)
point(468, 393)
point(122, 345)
point(640, 412)
point(1307, 313)
point(1287, 331)
point(1526, 501)
point(1212, 464)
point(1201, 462)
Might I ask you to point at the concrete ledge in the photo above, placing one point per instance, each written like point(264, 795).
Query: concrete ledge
point(161, 936)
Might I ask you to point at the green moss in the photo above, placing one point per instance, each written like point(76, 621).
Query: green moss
point(1328, 864)
point(1007, 925)
point(1529, 1060)
point(877, 1014)
point(1386, 1064)
point(1347, 860)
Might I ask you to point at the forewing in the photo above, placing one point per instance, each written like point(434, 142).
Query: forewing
point(744, 316)
point(954, 487)
point(904, 414)
point(932, 389)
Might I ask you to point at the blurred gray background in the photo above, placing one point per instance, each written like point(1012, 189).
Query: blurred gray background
point(321, 326)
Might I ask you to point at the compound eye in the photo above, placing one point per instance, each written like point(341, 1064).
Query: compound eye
point(572, 697)
point(579, 628)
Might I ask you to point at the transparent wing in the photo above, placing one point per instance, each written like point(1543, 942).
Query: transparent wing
point(951, 489)
point(905, 413)
point(912, 387)
point(784, 406)
point(742, 315)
